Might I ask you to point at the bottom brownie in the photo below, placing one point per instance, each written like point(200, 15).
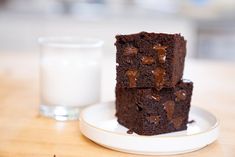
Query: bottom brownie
point(147, 111)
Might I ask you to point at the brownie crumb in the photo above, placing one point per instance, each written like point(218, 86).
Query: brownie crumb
point(130, 131)
point(191, 121)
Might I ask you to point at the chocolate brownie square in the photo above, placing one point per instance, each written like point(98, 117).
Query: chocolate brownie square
point(147, 111)
point(147, 60)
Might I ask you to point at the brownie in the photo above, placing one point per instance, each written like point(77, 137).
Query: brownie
point(147, 60)
point(147, 111)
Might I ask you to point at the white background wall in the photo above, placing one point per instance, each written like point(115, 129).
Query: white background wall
point(20, 33)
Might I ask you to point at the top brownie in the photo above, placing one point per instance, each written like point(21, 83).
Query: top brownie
point(149, 60)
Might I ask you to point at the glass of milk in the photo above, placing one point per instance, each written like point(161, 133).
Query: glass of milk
point(70, 75)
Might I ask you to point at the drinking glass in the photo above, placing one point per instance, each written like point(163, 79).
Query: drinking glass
point(70, 75)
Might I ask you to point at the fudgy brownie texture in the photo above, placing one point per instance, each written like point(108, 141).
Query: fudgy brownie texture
point(149, 60)
point(147, 111)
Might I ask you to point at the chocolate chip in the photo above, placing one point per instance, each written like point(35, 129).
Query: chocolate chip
point(130, 50)
point(147, 60)
point(177, 122)
point(153, 119)
point(132, 76)
point(159, 75)
point(161, 51)
point(169, 107)
point(180, 95)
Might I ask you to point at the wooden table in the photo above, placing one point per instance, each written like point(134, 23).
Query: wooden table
point(23, 133)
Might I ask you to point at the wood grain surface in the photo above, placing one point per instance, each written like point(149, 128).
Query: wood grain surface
point(23, 133)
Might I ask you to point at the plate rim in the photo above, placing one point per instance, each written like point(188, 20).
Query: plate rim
point(216, 125)
point(151, 153)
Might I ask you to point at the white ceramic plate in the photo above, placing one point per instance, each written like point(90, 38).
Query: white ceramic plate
point(99, 124)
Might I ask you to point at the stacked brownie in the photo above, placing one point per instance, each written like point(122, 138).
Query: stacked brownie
point(151, 96)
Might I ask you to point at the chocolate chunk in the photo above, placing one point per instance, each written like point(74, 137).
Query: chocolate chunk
point(177, 122)
point(153, 119)
point(147, 60)
point(130, 131)
point(180, 95)
point(169, 107)
point(161, 51)
point(132, 76)
point(159, 75)
point(130, 50)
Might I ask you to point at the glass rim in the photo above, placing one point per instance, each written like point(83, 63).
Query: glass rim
point(70, 42)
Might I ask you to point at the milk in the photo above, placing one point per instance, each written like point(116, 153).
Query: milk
point(70, 76)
